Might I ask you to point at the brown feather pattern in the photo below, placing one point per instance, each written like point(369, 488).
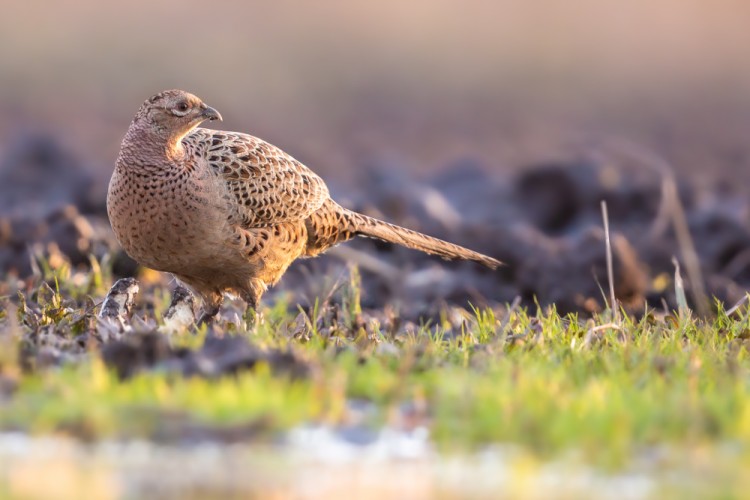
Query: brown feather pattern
point(225, 211)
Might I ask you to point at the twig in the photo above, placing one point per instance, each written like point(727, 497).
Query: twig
point(610, 270)
point(737, 306)
point(672, 205)
point(589, 338)
point(679, 290)
point(605, 326)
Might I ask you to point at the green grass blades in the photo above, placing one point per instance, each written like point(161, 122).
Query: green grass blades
point(549, 384)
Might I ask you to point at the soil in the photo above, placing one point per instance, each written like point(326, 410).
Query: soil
point(544, 221)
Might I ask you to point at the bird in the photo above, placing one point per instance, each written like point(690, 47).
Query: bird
point(226, 212)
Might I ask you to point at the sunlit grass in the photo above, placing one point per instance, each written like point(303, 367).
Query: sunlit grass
point(547, 383)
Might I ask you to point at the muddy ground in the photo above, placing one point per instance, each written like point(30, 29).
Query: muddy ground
point(543, 220)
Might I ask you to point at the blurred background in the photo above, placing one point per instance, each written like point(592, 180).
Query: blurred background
point(497, 124)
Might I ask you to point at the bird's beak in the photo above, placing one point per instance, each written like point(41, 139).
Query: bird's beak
point(210, 113)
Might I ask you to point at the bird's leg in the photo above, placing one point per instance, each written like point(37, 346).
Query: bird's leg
point(209, 313)
point(252, 313)
point(211, 305)
point(251, 295)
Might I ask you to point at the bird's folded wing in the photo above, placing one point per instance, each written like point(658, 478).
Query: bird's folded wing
point(265, 186)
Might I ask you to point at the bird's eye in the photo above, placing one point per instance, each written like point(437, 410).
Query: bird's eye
point(182, 106)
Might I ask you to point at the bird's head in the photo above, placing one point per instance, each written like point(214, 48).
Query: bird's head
point(174, 113)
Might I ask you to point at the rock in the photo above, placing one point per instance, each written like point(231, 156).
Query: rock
point(180, 314)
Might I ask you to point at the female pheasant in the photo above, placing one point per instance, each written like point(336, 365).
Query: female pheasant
point(228, 212)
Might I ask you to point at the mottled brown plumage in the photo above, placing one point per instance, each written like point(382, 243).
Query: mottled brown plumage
point(228, 212)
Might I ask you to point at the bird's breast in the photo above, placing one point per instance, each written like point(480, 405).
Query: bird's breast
point(163, 221)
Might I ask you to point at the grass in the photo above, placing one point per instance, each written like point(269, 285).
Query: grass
point(550, 385)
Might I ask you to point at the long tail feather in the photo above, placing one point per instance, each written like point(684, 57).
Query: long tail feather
point(374, 228)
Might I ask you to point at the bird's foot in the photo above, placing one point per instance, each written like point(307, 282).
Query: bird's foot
point(209, 314)
point(254, 318)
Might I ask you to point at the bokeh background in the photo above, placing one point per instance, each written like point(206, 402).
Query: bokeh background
point(483, 102)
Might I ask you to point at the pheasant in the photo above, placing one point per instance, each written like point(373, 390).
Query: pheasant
point(226, 211)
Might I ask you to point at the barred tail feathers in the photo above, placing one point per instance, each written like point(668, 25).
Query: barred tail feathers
point(364, 225)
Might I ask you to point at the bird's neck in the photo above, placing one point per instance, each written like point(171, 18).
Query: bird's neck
point(148, 149)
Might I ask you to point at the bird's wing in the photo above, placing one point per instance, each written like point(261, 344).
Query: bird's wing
point(265, 186)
